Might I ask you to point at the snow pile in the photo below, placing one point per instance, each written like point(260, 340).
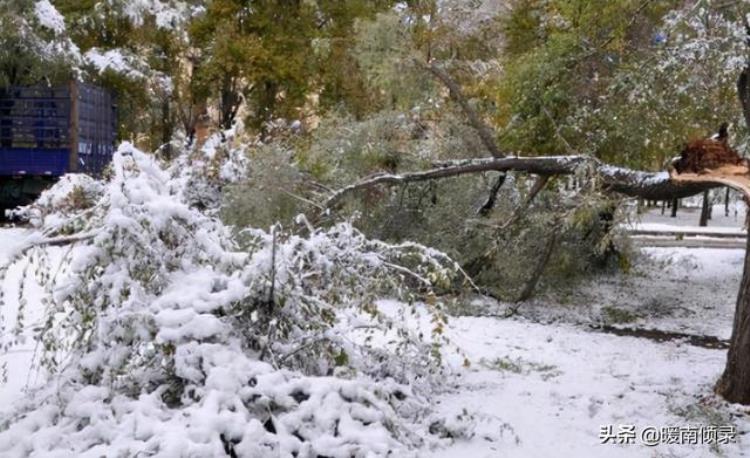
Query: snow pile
point(301, 281)
point(163, 339)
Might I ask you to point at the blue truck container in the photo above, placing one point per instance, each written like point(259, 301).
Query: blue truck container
point(48, 132)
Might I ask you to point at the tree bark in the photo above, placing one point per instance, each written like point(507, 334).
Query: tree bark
point(489, 204)
point(734, 384)
point(743, 91)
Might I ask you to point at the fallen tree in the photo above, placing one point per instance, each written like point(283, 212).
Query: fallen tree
point(703, 164)
point(634, 183)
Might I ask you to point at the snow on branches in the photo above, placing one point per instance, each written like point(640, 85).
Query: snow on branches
point(162, 337)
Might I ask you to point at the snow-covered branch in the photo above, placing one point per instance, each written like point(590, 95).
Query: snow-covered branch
point(635, 183)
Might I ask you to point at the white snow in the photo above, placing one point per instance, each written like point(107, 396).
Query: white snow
point(688, 217)
point(564, 384)
point(167, 14)
point(667, 228)
point(146, 334)
point(49, 17)
point(116, 60)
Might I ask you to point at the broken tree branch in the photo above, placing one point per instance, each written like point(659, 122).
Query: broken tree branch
point(536, 274)
point(634, 183)
point(536, 188)
point(489, 204)
point(483, 130)
point(59, 241)
point(41, 241)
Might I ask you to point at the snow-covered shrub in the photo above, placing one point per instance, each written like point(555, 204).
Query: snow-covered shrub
point(69, 195)
point(203, 172)
point(162, 338)
point(301, 285)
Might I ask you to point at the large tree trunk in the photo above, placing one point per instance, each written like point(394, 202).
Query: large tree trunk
point(743, 91)
point(648, 185)
point(734, 384)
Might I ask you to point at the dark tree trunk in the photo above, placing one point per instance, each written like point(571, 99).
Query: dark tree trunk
point(734, 384)
point(704, 210)
point(229, 102)
point(489, 204)
point(726, 203)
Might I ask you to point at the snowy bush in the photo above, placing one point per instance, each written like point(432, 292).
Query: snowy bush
point(68, 196)
point(202, 172)
point(163, 338)
point(299, 283)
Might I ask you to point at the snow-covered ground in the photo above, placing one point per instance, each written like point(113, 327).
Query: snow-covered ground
point(546, 381)
point(687, 290)
point(555, 382)
point(555, 386)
